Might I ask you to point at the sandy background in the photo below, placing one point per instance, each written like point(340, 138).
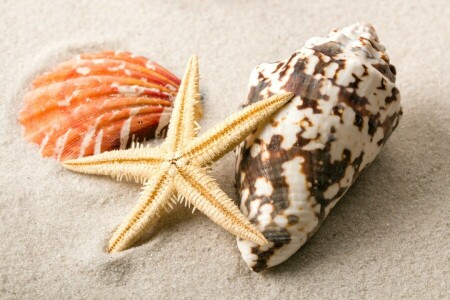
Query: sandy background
point(388, 237)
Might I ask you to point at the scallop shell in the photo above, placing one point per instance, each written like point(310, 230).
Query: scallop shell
point(293, 170)
point(98, 102)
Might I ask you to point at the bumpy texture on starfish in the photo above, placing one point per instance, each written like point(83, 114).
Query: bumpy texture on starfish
point(177, 168)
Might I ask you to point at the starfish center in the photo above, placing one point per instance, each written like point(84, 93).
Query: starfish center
point(174, 162)
point(173, 171)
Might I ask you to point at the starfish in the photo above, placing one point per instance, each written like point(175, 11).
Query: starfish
point(177, 170)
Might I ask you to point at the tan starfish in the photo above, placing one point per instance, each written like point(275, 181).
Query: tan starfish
point(177, 168)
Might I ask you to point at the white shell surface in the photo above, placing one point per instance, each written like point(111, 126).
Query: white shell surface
point(293, 170)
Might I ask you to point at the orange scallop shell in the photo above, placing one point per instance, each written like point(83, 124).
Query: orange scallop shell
point(98, 102)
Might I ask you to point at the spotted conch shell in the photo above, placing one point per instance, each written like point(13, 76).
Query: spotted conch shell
point(293, 170)
point(98, 102)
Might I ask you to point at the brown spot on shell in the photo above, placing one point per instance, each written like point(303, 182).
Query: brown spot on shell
point(279, 237)
point(386, 70)
point(393, 97)
point(359, 122)
point(329, 48)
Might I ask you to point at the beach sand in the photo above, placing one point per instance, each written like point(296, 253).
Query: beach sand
point(387, 238)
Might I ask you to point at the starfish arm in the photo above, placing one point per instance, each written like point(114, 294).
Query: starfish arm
point(204, 193)
point(224, 137)
point(187, 109)
point(127, 164)
point(152, 201)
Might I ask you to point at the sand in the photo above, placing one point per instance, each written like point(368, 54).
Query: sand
point(387, 238)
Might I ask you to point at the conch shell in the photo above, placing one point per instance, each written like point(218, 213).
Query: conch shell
point(98, 102)
point(293, 170)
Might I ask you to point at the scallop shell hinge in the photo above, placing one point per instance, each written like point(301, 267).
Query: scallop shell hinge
point(293, 170)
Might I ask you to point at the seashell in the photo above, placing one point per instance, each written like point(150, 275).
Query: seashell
point(98, 102)
point(293, 170)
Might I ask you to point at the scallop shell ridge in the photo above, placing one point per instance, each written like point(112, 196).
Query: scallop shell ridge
point(98, 102)
point(293, 170)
